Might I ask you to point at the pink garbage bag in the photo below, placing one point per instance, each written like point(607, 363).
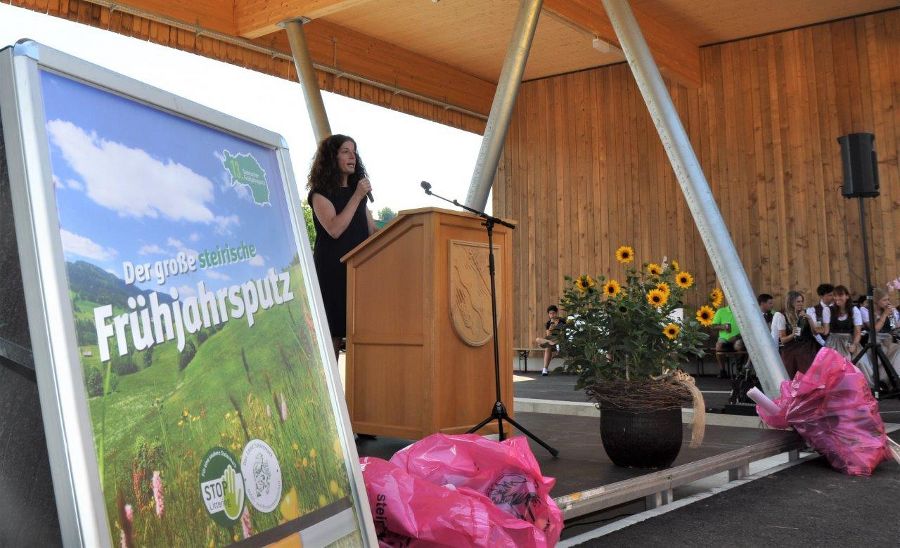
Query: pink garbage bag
point(412, 512)
point(506, 472)
point(502, 475)
point(831, 407)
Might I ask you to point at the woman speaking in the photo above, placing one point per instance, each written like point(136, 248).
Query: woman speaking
point(338, 186)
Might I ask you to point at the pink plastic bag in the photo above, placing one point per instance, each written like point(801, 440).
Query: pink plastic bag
point(831, 407)
point(462, 491)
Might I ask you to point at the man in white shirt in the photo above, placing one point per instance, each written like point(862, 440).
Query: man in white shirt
point(821, 313)
point(863, 304)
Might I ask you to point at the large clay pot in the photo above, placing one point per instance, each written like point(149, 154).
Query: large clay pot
point(641, 439)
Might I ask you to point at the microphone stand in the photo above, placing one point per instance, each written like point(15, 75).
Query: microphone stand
point(498, 411)
point(877, 357)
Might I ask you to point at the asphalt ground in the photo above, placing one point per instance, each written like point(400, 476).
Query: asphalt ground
point(809, 504)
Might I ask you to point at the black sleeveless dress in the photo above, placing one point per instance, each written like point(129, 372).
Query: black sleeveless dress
point(331, 272)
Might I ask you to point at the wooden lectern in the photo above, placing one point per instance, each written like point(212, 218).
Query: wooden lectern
point(420, 356)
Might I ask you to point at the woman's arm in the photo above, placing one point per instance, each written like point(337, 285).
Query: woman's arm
point(857, 336)
point(336, 223)
point(824, 327)
point(785, 338)
point(881, 318)
point(371, 222)
point(857, 328)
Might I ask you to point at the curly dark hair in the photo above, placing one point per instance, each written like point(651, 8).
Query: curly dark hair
point(324, 175)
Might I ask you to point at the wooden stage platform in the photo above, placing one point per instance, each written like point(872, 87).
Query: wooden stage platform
point(586, 480)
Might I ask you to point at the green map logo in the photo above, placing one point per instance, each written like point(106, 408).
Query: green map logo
point(245, 170)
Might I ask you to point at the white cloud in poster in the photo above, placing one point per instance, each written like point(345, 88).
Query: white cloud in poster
point(129, 180)
point(85, 247)
point(56, 182)
point(224, 223)
point(186, 291)
point(151, 249)
point(194, 237)
point(213, 275)
point(257, 260)
point(72, 183)
point(178, 245)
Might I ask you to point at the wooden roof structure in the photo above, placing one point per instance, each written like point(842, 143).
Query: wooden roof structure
point(442, 57)
point(763, 87)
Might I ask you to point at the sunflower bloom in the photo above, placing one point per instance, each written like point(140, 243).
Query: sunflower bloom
point(584, 283)
point(671, 331)
point(664, 287)
point(656, 298)
point(716, 297)
point(625, 254)
point(612, 288)
point(684, 280)
point(705, 316)
point(674, 265)
point(654, 269)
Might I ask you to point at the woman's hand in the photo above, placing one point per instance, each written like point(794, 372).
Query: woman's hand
point(363, 188)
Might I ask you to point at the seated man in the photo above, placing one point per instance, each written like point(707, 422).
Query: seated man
point(821, 313)
point(548, 341)
point(729, 337)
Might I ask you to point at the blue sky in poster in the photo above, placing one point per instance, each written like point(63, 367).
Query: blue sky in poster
point(138, 184)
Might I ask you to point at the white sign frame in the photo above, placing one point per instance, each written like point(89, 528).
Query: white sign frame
point(80, 502)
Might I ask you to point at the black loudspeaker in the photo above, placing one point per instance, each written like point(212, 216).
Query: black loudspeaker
point(860, 165)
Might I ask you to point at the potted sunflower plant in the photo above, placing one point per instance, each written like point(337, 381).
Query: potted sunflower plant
point(625, 341)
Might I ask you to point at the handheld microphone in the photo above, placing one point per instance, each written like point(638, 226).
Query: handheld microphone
point(427, 186)
point(368, 194)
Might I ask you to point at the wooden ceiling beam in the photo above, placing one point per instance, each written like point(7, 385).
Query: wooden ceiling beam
point(343, 50)
point(214, 15)
point(349, 52)
point(255, 18)
point(677, 56)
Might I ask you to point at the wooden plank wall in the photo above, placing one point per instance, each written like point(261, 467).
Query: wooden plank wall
point(85, 12)
point(583, 170)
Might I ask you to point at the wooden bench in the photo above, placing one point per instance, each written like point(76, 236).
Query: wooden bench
point(734, 360)
point(523, 354)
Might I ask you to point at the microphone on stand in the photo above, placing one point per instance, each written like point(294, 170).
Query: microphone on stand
point(427, 186)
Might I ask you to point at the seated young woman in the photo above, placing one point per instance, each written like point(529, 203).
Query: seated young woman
point(887, 323)
point(794, 332)
point(846, 324)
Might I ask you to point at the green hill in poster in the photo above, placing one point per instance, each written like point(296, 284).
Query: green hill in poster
point(239, 383)
point(94, 284)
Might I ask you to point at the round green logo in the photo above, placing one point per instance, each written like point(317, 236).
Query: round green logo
point(222, 486)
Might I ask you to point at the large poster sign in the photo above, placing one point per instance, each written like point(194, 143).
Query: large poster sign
point(212, 414)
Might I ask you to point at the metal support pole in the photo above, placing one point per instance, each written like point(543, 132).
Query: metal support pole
point(760, 345)
point(307, 75)
point(504, 101)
